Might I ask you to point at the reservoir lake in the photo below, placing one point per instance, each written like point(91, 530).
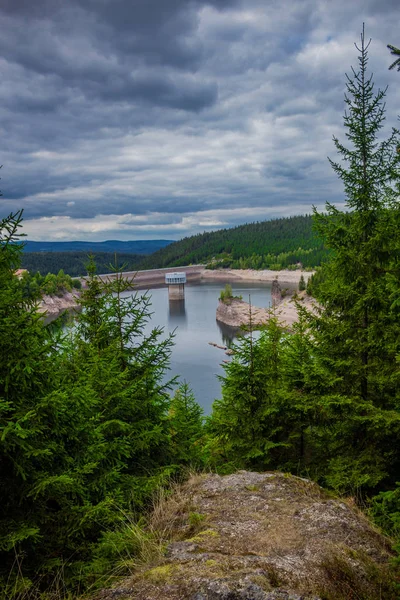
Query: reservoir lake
point(193, 359)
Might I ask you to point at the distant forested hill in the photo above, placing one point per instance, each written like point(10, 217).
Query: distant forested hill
point(73, 263)
point(277, 244)
point(268, 244)
point(129, 247)
point(50, 257)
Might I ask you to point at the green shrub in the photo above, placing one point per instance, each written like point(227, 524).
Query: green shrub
point(302, 284)
point(226, 293)
point(76, 284)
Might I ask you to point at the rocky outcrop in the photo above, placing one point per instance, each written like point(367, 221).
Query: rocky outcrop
point(276, 293)
point(261, 536)
point(237, 313)
point(53, 306)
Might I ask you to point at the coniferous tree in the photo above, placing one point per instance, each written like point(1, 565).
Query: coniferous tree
point(125, 368)
point(26, 352)
point(186, 428)
point(301, 384)
point(358, 330)
point(302, 283)
point(84, 425)
point(245, 421)
point(337, 393)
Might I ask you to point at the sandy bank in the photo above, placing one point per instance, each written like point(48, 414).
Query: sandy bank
point(284, 277)
point(287, 311)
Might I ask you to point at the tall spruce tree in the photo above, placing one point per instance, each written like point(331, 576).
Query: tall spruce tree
point(358, 330)
point(386, 506)
point(121, 369)
point(186, 419)
point(246, 422)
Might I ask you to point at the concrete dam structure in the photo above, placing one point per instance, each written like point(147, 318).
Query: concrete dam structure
point(176, 285)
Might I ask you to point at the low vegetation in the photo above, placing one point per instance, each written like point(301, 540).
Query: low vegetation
point(226, 294)
point(247, 534)
point(35, 285)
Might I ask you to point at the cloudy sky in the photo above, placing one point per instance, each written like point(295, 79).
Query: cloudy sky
point(143, 119)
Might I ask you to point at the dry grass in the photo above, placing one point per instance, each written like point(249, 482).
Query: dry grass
point(350, 575)
point(169, 519)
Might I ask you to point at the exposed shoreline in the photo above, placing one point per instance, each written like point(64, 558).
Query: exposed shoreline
point(237, 314)
point(197, 273)
point(268, 276)
point(54, 305)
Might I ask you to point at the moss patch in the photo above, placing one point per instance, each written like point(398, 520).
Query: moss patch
point(202, 535)
point(253, 488)
point(161, 574)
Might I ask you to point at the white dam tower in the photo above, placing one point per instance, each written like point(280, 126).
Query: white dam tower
point(176, 285)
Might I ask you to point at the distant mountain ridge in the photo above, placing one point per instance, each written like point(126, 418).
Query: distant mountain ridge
point(123, 247)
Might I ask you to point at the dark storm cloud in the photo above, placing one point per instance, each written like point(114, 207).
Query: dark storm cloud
point(176, 116)
point(101, 63)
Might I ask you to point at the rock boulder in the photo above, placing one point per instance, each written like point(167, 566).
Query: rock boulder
point(261, 536)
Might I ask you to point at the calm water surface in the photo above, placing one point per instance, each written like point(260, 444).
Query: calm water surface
point(194, 323)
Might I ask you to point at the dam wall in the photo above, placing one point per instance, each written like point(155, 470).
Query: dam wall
point(156, 277)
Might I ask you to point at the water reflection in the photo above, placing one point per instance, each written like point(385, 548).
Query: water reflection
point(193, 358)
point(228, 334)
point(177, 314)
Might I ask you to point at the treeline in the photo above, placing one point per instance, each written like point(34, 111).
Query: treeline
point(268, 244)
point(35, 285)
point(75, 263)
point(307, 259)
point(109, 246)
point(277, 244)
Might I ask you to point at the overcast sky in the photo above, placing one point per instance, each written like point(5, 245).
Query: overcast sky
point(143, 119)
